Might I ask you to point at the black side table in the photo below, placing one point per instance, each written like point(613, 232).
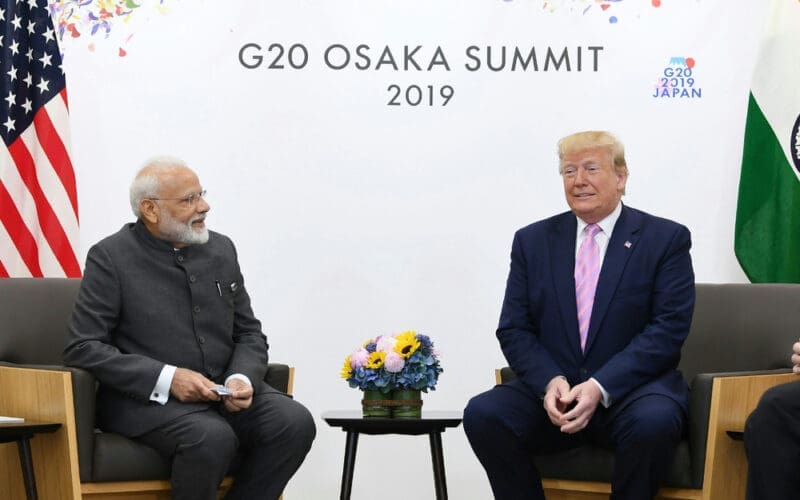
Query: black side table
point(22, 432)
point(432, 423)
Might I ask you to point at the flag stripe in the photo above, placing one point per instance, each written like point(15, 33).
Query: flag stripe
point(777, 71)
point(21, 200)
point(48, 222)
point(10, 257)
point(52, 145)
point(20, 235)
point(767, 242)
point(53, 190)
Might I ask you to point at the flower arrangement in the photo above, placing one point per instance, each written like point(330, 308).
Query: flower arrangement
point(387, 363)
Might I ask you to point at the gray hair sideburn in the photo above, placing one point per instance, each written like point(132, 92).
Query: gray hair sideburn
point(145, 184)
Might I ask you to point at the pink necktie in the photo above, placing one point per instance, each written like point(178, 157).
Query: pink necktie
point(587, 269)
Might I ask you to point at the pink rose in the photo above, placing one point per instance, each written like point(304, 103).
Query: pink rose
point(393, 362)
point(385, 343)
point(359, 358)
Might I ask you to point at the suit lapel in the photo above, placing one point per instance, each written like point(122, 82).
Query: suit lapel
point(620, 247)
point(562, 264)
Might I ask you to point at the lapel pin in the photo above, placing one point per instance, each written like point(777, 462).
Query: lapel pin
point(628, 244)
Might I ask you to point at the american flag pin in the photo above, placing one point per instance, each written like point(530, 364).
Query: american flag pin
point(628, 244)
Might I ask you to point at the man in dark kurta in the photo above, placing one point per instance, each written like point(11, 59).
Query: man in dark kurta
point(162, 317)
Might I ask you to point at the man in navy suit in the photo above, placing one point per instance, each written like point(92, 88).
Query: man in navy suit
point(609, 377)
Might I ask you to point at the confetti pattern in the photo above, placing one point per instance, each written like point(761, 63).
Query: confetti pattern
point(607, 8)
point(95, 20)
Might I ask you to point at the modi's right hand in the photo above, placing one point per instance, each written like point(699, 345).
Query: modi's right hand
point(191, 386)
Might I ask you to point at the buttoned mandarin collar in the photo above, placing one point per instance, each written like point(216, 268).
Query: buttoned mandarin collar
point(157, 243)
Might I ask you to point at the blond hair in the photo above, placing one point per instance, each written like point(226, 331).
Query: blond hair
point(580, 141)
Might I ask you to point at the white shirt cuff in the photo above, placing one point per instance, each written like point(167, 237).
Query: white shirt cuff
point(606, 399)
point(160, 392)
point(238, 376)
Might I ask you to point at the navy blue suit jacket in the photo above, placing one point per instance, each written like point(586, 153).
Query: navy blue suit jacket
point(640, 318)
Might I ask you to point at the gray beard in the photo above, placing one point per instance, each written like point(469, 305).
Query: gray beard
point(178, 232)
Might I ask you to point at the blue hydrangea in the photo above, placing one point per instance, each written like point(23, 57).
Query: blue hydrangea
point(421, 371)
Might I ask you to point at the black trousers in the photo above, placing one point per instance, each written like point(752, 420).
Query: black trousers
point(272, 438)
point(507, 425)
point(772, 442)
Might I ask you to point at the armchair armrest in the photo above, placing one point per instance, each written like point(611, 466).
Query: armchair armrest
point(84, 388)
point(732, 397)
point(700, 396)
point(42, 394)
point(280, 377)
point(503, 375)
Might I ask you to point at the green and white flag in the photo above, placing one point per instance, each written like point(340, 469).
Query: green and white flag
point(767, 239)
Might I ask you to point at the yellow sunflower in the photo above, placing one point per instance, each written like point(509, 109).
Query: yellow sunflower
point(347, 370)
point(407, 344)
point(376, 360)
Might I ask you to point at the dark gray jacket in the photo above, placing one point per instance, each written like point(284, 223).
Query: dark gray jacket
point(142, 304)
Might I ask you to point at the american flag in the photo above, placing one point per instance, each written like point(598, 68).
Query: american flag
point(38, 195)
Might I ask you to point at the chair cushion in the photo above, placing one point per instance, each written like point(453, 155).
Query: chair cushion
point(117, 458)
point(592, 463)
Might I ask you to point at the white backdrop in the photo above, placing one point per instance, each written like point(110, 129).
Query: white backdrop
point(355, 218)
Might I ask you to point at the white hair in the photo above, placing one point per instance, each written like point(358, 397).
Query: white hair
point(145, 184)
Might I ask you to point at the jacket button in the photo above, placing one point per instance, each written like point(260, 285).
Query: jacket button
point(196, 309)
point(202, 340)
point(192, 279)
point(180, 258)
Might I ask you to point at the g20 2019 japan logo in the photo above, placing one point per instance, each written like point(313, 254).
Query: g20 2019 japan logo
point(794, 143)
point(678, 80)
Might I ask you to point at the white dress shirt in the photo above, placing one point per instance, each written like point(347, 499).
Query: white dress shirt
point(602, 238)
